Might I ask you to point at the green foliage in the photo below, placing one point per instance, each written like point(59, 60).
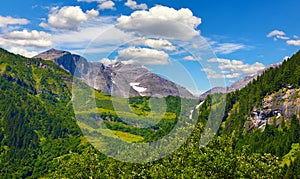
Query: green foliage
point(273, 140)
point(39, 136)
point(272, 80)
point(36, 118)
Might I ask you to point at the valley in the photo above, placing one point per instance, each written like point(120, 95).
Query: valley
point(49, 119)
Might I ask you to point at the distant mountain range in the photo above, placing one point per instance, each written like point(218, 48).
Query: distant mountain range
point(126, 80)
point(39, 136)
point(237, 85)
point(120, 80)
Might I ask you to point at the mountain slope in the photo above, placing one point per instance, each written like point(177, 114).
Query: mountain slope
point(237, 85)
point(118, 80)
point(265, 113)
point(39, 136)
point(37, 120)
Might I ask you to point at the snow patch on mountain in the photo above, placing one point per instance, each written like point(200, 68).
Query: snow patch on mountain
point(137, 88)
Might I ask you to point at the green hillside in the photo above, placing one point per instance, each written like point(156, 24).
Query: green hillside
point(37, 120)
point(40, 135)
point(276, 90)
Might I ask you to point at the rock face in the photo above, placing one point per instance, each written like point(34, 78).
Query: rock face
point(286, 101)
point(120, 80)
point(276, 108)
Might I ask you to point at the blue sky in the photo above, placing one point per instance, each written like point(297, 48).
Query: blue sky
point(197, 43)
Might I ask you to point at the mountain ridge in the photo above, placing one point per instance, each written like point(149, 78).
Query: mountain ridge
point(238, 84)
point(115, 79)
point(39, 136)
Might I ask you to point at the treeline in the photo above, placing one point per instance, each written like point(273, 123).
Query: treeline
point(272, 80)
point(36, 117)
point(39, 136)
point(274, 140)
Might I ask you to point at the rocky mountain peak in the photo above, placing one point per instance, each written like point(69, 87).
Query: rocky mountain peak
point(115, 79)
point(52, 54)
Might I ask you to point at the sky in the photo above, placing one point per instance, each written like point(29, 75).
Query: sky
point(199, 44)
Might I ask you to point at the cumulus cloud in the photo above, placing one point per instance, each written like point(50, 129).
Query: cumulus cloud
point(133, 5)
point(107, 5)
point(8, 20)
point(236, 68)
point(161, 22)
point(103, 4)
point(293, 42)
point(191, 58)
point(143, 56)
point(25, 34)
point(33, 38)
point(106, 61)
point(98, 36)
point(22, 51)
point(212, 74)
point(156, 43)
point(227, 48)
point(68, 17)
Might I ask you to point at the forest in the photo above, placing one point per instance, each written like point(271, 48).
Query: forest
point(45, 134)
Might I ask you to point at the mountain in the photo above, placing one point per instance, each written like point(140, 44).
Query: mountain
point(35, 115)
point(237, 85)
point(247, 79)
point(120, 80)
point(265, 113)
point(40, 135)
point(214, 90)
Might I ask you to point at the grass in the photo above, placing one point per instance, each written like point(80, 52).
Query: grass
point(289, 157)
point(127, 136)
point(96, 102)
point(109, 133)
point(3, 67)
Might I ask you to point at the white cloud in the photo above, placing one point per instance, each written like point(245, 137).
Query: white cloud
point(161, 22)
point(25, 34)
point(281, 37)
point(98, 36)
point(156, 43)
point(191, 58)
point(143, 56)
point(22, 51)
point(106, 5)
point(106, 61)
point(103, 4)
point(227, 48)
point(212, 74)
point(236, 68)
point(275, 33)
point(68, 17)
point(27, 38)
point(8, 20)
point(233, 75)
point(293, 42)
point(133, 5)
